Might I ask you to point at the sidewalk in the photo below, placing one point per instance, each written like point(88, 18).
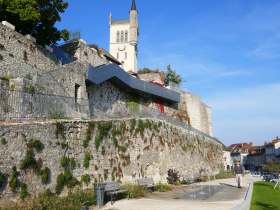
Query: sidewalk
point(226, 198)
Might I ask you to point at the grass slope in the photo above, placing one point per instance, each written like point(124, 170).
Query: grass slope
point(265, 197)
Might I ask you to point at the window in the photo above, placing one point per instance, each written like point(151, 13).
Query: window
point(117, 55)
point(126, 36)
point(122, 37)
point(118, 37)
point(125, 54)
point(77, 92)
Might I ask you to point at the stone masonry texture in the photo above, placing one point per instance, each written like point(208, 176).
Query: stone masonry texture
point(148, 154)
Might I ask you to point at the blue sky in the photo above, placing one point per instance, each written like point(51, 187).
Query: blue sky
point(228, 51)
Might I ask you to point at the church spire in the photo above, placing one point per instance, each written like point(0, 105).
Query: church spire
point(133, 6)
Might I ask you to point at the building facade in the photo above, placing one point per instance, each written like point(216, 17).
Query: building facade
point(256, 158)
point(124, 40)
point(272, 151)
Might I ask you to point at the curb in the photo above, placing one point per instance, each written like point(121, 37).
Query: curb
point(246, 204)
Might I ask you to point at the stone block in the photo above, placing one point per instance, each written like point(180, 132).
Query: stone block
point(28, 36)
point(83, 41)
point(49, 48)
point(8, 25)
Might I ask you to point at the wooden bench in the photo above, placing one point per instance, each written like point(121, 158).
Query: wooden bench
point(147, 183)
point(187, 177)
point(114, 187)
point(196, 176)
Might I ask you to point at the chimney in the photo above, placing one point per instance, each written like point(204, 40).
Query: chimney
point(252, 144)
point(242, 144)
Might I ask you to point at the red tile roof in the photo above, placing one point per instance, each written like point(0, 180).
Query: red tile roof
point(273, 142)
point(245, 149)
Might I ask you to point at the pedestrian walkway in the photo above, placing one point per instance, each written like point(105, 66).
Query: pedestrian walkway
point(226, 198)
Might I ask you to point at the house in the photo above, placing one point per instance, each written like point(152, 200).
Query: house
point(239, 153)
point(272, 151)
point(226, 157)
point(255, 158)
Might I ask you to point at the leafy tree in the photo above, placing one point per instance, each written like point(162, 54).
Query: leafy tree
point(271, 166)
point(36, 17)
point(171, 76)
point(265, 143)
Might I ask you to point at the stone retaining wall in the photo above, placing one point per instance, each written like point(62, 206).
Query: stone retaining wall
point(148, 154)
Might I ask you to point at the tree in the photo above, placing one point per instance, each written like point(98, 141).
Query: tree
point(265, 143)
point(36, 17)
point(171, 76)
point(271, 166)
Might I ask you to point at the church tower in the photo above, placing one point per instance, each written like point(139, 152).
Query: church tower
point(124, 39)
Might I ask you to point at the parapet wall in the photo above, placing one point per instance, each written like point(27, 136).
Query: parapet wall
point(151, 153)
point(18, 48)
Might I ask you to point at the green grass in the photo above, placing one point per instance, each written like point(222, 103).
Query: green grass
point(265, 197)
point(164, 187)
point(75, 199)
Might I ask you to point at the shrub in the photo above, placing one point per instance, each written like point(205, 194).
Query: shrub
point(45, 174)
point(64, 161)
point(23, 192)
point(86, 160)
point(103, 130)
point(72, 183)
point(140, 126)
point(3, 141)
point(95, 167)
point(172, 177)
point(59, 129)
point(13, 181)
point(37, 144)
point(116, 142)
point(28, 76)
point(1, 57)
point(74, 200)
point(29, 161)
point(164, 187)
point(148, 124)
point(63, 145)
point(160, 123)
point(135, 191)
point(47, 193)
point(1, 46)
point(85, 143)
point(72, 163)
point(59, 183)
point(156, 127)
point(132, 126)
point(115, 131)
point(67, 175)
point(122, 148)
point(12, 87)
point(31, 89)
point(85, 178)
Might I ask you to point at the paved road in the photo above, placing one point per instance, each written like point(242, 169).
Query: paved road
point(226, 198)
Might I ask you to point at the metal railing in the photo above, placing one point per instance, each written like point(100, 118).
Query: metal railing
point(41, 76)
point(19, 104)
point(179, 87)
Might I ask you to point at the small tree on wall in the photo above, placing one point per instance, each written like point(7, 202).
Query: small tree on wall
point(171, 76)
